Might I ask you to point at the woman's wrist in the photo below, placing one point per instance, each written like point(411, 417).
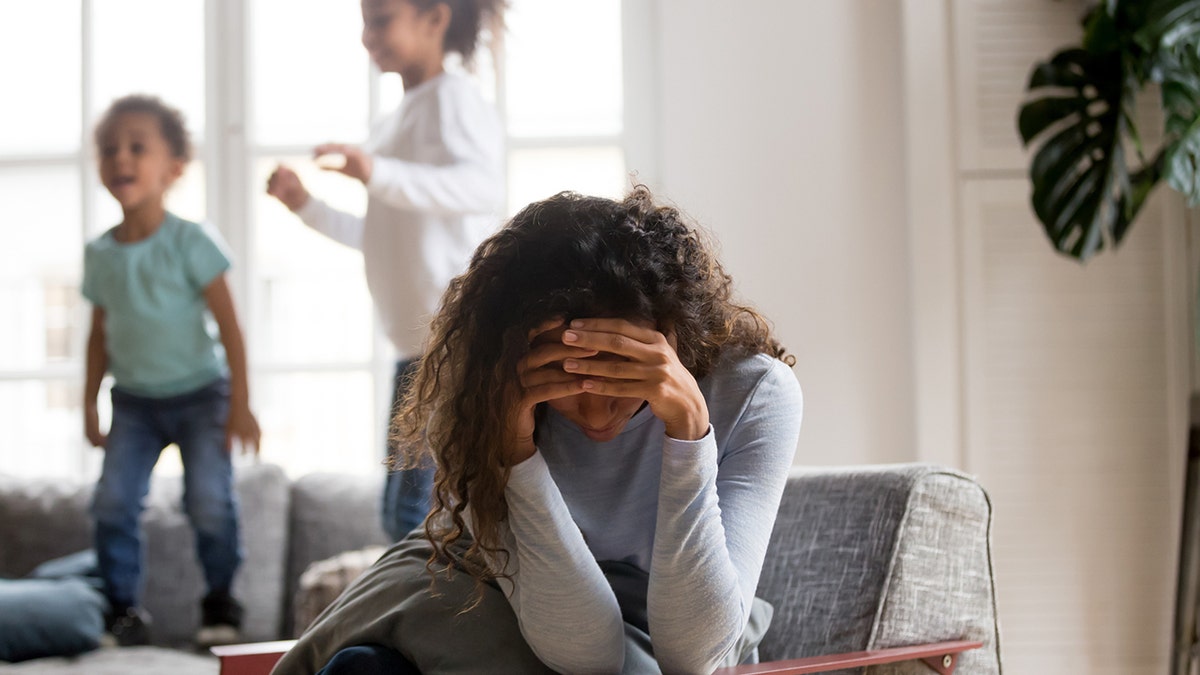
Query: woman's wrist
point(690, 433)
point(519, 454)
point(691, 426)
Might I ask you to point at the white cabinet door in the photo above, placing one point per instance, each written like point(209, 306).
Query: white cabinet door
point(1069, 408)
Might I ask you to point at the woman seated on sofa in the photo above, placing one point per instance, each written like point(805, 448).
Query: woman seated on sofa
point(612, 434)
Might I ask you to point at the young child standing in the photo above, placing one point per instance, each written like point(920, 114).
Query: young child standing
point(435, 183)
point(157, 283)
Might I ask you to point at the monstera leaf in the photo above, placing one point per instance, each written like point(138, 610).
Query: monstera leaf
point(1177, 71)
point(1083, 191)
point(1086, 193)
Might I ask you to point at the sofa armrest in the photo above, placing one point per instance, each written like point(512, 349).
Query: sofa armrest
point(877, 557)
point(257, 658)
point(942, 657)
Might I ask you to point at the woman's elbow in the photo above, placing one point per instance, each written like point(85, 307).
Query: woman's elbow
point(688, 664)
point(686, 659)
point(604, 653)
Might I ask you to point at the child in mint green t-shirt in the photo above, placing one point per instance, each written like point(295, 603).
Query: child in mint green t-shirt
point(163, 323)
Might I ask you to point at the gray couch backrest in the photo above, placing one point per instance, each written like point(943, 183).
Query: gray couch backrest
point(42, 520)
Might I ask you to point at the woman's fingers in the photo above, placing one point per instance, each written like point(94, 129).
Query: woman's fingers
point(616, 336)
point(541, 376)
point(550, 390)
point(545, 355)
point(641, 331)
point(612, 369)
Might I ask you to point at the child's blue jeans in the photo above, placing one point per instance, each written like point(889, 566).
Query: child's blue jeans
point(141, 428)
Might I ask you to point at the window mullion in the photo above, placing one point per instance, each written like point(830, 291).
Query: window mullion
point(87, 183)
point(639, 52)
point(228, 156)
point(87, 193)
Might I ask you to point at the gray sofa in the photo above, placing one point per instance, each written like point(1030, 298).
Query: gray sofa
point(286, 526)
point(861, 558)
point(866, 558)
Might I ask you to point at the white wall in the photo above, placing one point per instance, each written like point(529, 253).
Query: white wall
point(781, 130)
point(782, 127)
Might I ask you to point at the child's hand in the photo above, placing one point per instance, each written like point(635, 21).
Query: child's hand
point(285, 186)
point(242, 426)
point(91, 428)
point(358, 164)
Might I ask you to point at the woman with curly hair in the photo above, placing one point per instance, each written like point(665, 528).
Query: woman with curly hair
point(611, 433)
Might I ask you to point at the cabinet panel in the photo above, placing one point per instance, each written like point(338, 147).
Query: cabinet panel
point(996, 43)
point(1068, 412)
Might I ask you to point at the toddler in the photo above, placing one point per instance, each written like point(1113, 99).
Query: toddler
point(157, 285)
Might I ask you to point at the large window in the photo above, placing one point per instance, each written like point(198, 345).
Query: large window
point(260, 82)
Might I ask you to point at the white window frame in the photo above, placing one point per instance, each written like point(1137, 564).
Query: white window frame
point(228, 157)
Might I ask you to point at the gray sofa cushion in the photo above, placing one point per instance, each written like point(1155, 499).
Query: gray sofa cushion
point(174, 581)
point(41, 520)
point(330, 513)
point(873, 557)
point(123, 661)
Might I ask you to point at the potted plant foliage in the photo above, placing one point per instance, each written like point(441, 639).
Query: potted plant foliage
point(1091, 174)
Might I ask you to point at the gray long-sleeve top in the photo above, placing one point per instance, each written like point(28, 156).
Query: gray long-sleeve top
point(696, 515)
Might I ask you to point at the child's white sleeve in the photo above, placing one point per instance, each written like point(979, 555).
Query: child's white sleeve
point(344, 228)
point(471, 182)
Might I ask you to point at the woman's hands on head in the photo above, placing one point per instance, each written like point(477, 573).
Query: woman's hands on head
point(542, 379)
point(650, 370)
point(611, 358)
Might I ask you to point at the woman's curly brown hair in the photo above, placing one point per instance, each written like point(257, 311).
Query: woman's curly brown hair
point(570, 256)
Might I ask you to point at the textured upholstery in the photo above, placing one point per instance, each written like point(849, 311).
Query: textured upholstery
point(41, 520)
point(330, 514)
point(860, 558)
point(124, 661)
point(883, 556)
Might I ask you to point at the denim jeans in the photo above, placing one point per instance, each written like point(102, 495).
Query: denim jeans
point(369, 660)
point(141, 428)
point(407, 493)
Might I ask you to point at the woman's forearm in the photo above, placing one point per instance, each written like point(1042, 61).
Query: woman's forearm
point(567, 611)
point(715, 514)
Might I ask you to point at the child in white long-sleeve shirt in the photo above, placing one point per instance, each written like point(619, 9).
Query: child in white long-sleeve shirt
point(434, 174)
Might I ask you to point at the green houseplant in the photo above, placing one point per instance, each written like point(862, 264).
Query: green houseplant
point(1091, 175)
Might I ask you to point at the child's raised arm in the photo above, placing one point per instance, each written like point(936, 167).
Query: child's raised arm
point(472, 181)
point(344, 228)
point(97, 364)
point(241, 423)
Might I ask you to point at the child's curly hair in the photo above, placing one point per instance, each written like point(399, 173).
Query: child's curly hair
point(468, 20)
point(567, 257)
point(170, 122)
